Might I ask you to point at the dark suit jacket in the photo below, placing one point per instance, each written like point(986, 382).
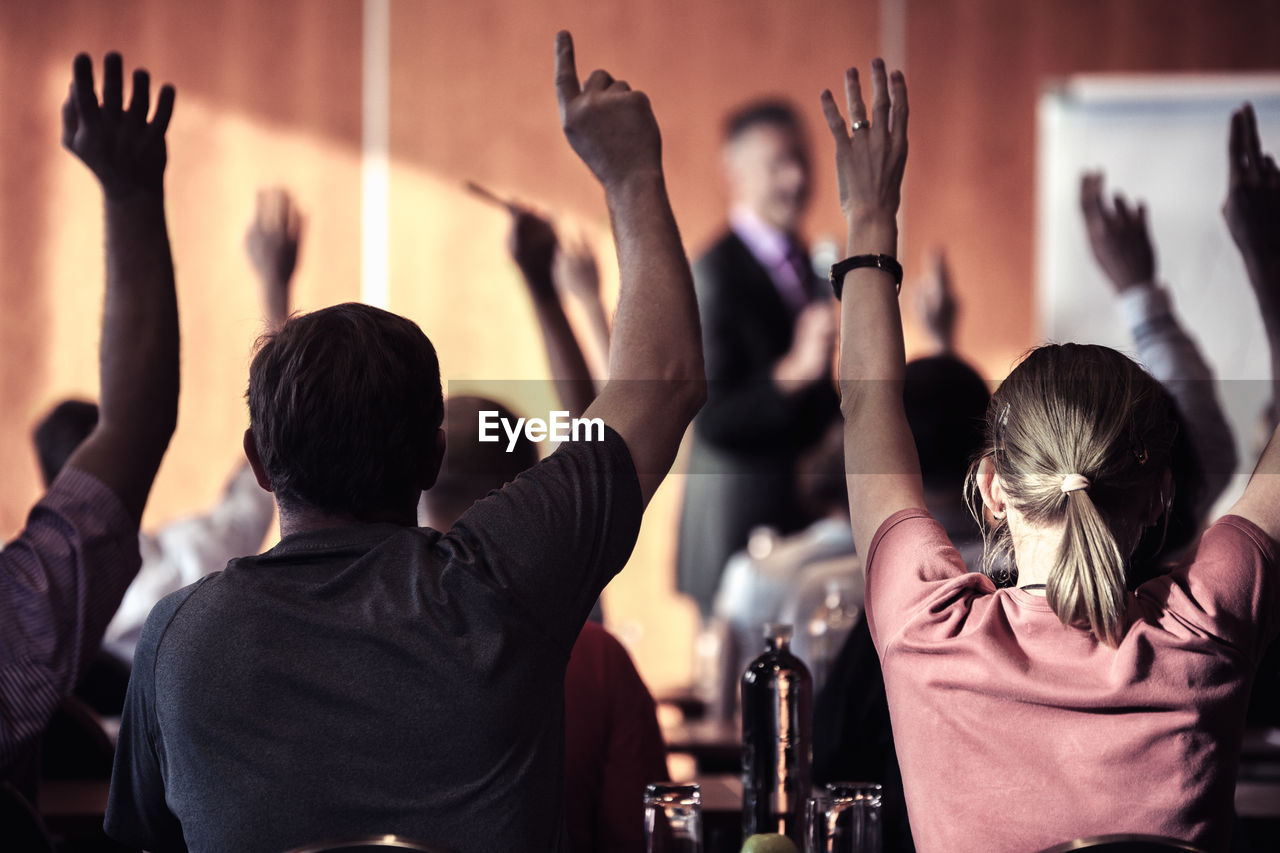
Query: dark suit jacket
point(749, 434)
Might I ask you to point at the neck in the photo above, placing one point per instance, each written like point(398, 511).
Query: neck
point(306, 520)
point(1035, 549)
point(743, 215)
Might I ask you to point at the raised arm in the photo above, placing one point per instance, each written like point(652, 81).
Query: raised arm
point(576, 272)
point(533, 245)
point(881, 464)
point(656, 379)
point(1121, 243)
point(1252, 211)
point(138, 355)
point(272, 243)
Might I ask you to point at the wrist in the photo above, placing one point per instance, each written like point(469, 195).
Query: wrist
point(876, 235)
point(135, 202)
point(635, 182)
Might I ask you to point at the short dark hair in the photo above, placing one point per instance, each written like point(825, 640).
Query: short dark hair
point(775, 112)
point(946, 404)
point(344, 403)
point(473, 469)
point(60, 432)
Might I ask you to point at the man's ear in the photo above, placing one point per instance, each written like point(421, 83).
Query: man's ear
point(431, 468)
point(989, 486)
point(255, 461)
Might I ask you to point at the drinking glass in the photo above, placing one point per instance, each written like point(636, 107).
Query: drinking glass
point(672, 818)
point(846, 819)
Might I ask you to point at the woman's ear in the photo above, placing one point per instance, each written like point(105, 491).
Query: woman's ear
point(990, 488)
point(1162, 502)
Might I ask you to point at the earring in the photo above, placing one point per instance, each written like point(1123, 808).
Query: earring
point(999, 516)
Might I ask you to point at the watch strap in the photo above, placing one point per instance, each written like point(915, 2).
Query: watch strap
point(888, 263)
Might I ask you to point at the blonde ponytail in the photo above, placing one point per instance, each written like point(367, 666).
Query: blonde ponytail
point(1087, 585)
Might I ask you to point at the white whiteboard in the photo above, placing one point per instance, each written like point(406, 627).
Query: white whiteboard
point(1161, 139)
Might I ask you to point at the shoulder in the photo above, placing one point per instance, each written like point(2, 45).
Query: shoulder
point(1229, 590)
point(1233, 531)
point(81, 508)
point(166, 611)
point(78, 535)
point(913, 535)
point(912, 566)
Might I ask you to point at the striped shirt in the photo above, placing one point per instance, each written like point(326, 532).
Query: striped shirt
point(61, 580)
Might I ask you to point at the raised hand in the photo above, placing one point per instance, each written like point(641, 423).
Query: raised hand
point(125, 151)
point(532, 243)
point(272, 243)
point(870, 155)
point(1252, 208)
point(936, 305)
point(611, 127)
point(274, 236)
point(1118, 235)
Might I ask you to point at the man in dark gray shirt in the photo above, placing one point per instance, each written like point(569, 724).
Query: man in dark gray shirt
point(369, 676)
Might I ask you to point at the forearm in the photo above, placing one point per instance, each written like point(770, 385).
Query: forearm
point(871, 345)
point(139, 348)
point(598, 321)
point(568, 366)
point(138, 397)
point(656, 333)
point(275, 301)
point(881, 463)
point(1173, 358)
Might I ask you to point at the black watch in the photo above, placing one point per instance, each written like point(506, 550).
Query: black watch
point(888, 263)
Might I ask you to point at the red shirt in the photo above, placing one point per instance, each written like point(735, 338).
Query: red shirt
point(613, 746)
point(1015, 732)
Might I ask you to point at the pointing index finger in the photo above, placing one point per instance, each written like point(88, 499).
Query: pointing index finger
point(567, 86)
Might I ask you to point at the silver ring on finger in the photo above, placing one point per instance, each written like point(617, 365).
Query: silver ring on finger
point(858, 125)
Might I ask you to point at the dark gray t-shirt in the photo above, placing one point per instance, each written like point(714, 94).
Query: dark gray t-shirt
point(377, 679)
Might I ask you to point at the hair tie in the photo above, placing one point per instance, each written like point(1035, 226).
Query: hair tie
point(1074, 482)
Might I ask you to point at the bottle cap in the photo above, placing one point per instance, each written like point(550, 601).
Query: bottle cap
point(777, 631)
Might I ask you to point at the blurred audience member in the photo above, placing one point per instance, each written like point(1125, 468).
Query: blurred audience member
point(62, 578)
point(1252, 212)
point(1204, 454)
point(760, 580)
point(768, 332)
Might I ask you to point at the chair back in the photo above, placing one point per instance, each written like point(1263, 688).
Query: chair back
point(370, 844)
point(76, 745)
point(1124, 843)
point(23, 828)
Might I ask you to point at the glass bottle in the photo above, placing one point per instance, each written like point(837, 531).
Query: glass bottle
point(777, 722)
